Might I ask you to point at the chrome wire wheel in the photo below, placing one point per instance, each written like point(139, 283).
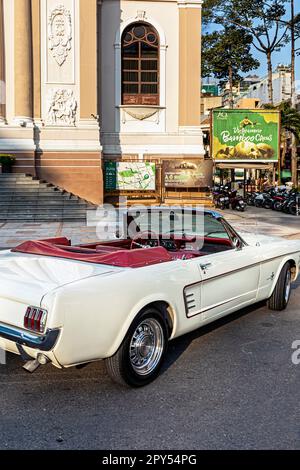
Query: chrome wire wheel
point(146, 346)
point(288, 286)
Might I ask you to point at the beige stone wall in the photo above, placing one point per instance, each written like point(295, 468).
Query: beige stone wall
point(210, 102)
point(189, 66)
point(80, 173)
point(63, 143)
point(23, 63)
point(2, 66)
point(36, 57)
point(248, 103)
point(88, 58)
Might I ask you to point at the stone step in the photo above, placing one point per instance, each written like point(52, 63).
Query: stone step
point(14, 176)
point(38, 202)
point(49, 209)
point(33, 218)
point(54, 213)
point(33, 194)
point(24, 198)
point(38, 189)
point(24, 184)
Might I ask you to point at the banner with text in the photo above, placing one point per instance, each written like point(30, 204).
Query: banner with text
point(187, 174)
point(243, 134)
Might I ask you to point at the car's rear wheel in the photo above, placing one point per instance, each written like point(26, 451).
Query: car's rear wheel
point(139, 358)
point(282, 292)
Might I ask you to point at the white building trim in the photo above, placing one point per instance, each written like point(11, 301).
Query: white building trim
point(18, 145)
point(70, 145)
point(162, 71)
point(154, 149)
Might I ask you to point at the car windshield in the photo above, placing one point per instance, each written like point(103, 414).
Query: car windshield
point(179, 223)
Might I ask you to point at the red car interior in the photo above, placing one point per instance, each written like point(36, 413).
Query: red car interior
point(118, 252)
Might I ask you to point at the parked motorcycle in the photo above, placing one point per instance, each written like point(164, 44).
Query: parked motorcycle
point(221, 198)
point(236, 201)
point(283, 200)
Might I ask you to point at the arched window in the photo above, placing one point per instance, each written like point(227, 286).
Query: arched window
point(140, 65)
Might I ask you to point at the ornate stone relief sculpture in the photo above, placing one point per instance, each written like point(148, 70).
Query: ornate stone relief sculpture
point(60, 33)
point(141, 15)
point(62, 107)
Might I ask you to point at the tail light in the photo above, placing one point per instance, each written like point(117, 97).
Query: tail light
point(35, 319)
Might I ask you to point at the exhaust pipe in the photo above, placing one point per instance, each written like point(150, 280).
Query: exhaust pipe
point(33, 365)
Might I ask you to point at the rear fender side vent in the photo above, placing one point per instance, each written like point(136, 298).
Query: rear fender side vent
point(192, 300)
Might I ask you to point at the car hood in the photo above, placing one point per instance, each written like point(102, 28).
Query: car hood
point(28, 278)
point(254, 239)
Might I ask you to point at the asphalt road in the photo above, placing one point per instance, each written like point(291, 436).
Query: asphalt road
point(231, 385)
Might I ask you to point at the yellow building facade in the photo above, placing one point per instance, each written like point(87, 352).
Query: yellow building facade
point(84, 82)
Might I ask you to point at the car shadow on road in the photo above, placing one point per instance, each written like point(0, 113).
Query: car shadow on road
point(177, 347)
point(181, 344)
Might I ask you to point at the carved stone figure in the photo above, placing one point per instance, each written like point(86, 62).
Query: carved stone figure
point(62, 107)
point(60, 33)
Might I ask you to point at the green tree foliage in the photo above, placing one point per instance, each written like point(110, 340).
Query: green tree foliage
point(290, 119)
point(226, 54)
point(262, 19)
point(209, 8)
point(297, 28)
point(290, 122)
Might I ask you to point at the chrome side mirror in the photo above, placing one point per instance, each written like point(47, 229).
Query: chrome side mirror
point(237, 243)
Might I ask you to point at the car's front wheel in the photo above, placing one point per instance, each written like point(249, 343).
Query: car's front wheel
point(138, 360)
point(282, 292)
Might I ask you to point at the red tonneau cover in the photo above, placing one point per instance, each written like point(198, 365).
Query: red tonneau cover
point(123, 258)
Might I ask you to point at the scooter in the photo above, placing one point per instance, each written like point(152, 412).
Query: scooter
point(221, 198)
point(237, 202)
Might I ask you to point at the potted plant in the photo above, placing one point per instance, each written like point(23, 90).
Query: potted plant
point(6, 162)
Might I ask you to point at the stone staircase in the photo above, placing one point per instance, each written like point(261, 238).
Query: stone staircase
point(27, 199)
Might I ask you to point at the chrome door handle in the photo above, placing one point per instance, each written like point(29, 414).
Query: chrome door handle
point(204, 266)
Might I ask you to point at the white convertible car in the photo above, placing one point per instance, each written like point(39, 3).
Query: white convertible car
point(123, 300)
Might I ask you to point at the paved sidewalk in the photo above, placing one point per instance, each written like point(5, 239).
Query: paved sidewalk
point(264, 221)
point(253, 220)
point(12, 234)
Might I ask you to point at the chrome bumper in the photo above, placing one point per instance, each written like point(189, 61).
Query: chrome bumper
point(21, 337)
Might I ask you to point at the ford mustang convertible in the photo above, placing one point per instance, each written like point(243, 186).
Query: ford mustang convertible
point(168, 272)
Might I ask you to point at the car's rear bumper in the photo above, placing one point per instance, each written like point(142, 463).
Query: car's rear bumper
point(44, 342)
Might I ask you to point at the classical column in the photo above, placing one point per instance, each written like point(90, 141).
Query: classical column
point(23, 62)
point(36, 58)
point(189, 63)
point(2, 67)
point(88, 59)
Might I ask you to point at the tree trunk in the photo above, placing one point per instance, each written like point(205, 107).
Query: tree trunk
point(284, 149)
point(294, 155)
point(230, 75)
point(293, 74)
point(270, 77)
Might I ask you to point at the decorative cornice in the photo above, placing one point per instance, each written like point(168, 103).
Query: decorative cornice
point(190, 3)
